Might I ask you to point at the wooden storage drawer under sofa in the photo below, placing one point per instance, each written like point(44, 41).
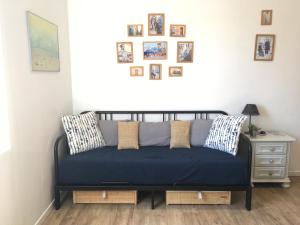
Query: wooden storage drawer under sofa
point(198, 197)
point(122, 197)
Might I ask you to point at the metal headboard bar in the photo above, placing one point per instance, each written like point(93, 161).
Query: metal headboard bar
point(167, 115)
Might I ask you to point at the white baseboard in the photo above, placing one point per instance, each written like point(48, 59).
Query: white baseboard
point(294, 173)
point(44, 215)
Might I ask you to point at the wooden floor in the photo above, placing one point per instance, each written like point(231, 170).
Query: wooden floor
point(271, 205)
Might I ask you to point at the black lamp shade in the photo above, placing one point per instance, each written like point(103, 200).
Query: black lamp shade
point(250, 109)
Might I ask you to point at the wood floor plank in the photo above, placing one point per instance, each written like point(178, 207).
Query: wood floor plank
point(271, 206)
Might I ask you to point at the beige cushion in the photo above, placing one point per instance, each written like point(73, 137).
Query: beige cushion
point(180, 134)
point(128, 135)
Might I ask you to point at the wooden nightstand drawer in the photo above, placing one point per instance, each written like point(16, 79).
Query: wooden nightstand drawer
point(198, 197)
point(271, 148)
point(129, 197)
point(269, 172)
point(270, 160)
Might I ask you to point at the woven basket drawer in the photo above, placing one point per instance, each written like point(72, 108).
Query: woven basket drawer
point(198, 197)
point(126, 197)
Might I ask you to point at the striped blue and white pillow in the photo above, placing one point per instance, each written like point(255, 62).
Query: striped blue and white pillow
point(225, 132)
point(82, 132)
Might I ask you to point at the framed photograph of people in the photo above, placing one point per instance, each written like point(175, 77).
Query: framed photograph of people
point(175, 71)
point(125, 52)
point(266, 17)
point(155, 72)
point(136, 71)
point(185, 51)
point(177, 30)
point(156, 24)
point(135, 30)
point(264, 47)
point(155, 50)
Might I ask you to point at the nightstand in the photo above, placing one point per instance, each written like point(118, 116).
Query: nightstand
point(270, 158)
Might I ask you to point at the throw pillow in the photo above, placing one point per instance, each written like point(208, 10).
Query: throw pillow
point(199, 131)
point(154, 134)
point(128, 135)
point(82, 132)
point(180, 134)
point(109, 130)
point(225, 132)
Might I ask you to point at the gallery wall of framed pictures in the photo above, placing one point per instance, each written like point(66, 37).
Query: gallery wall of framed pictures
point(156, 50)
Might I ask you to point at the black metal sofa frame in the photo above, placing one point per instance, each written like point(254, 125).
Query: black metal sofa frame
point(61, 149)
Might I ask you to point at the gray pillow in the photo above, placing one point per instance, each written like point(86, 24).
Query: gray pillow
point(109, 130)
point(154, 134)
point(199, 131)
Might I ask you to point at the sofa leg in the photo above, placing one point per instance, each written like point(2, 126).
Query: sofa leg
point(248, 198)
point(57, 199)
point(152, 200)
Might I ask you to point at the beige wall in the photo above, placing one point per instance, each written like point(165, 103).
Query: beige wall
point(223, 75)
point(36, 103)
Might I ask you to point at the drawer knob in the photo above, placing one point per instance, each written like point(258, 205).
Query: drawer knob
point(271, 161)
point(104, 195)
point(270, 173)
point(272, 149)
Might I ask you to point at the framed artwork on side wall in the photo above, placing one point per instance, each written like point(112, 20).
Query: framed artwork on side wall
point(264, 47)
point(156, 24)
point(43, 40)
point(125, 52)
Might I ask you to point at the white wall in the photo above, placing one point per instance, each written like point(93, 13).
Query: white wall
point(36, 102)
point(223, 75)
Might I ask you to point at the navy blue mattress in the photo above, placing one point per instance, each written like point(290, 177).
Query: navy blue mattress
point(154, 166)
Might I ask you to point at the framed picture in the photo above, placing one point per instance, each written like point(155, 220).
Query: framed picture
point(135, 30)
point(156, 24)
point(155, 50)
point(43, 39)
point(175, 71)
point(136, 71)
point(266, 17)
point(264, 47)
point(125, 52)
point(177, 30)
point(155, 72)
point(185, 51)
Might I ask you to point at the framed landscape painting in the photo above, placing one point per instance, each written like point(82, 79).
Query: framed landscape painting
point(136, 71)
point(177, 30)
point(135, 30)
point(175, 71)
point(125, 52)
point(264, 47)
point(155, 72)
point(156, 24)
point(155, 50)
point(43, 40)
point(185, 51)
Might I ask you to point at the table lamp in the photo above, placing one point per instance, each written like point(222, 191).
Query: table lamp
point(250, 110)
